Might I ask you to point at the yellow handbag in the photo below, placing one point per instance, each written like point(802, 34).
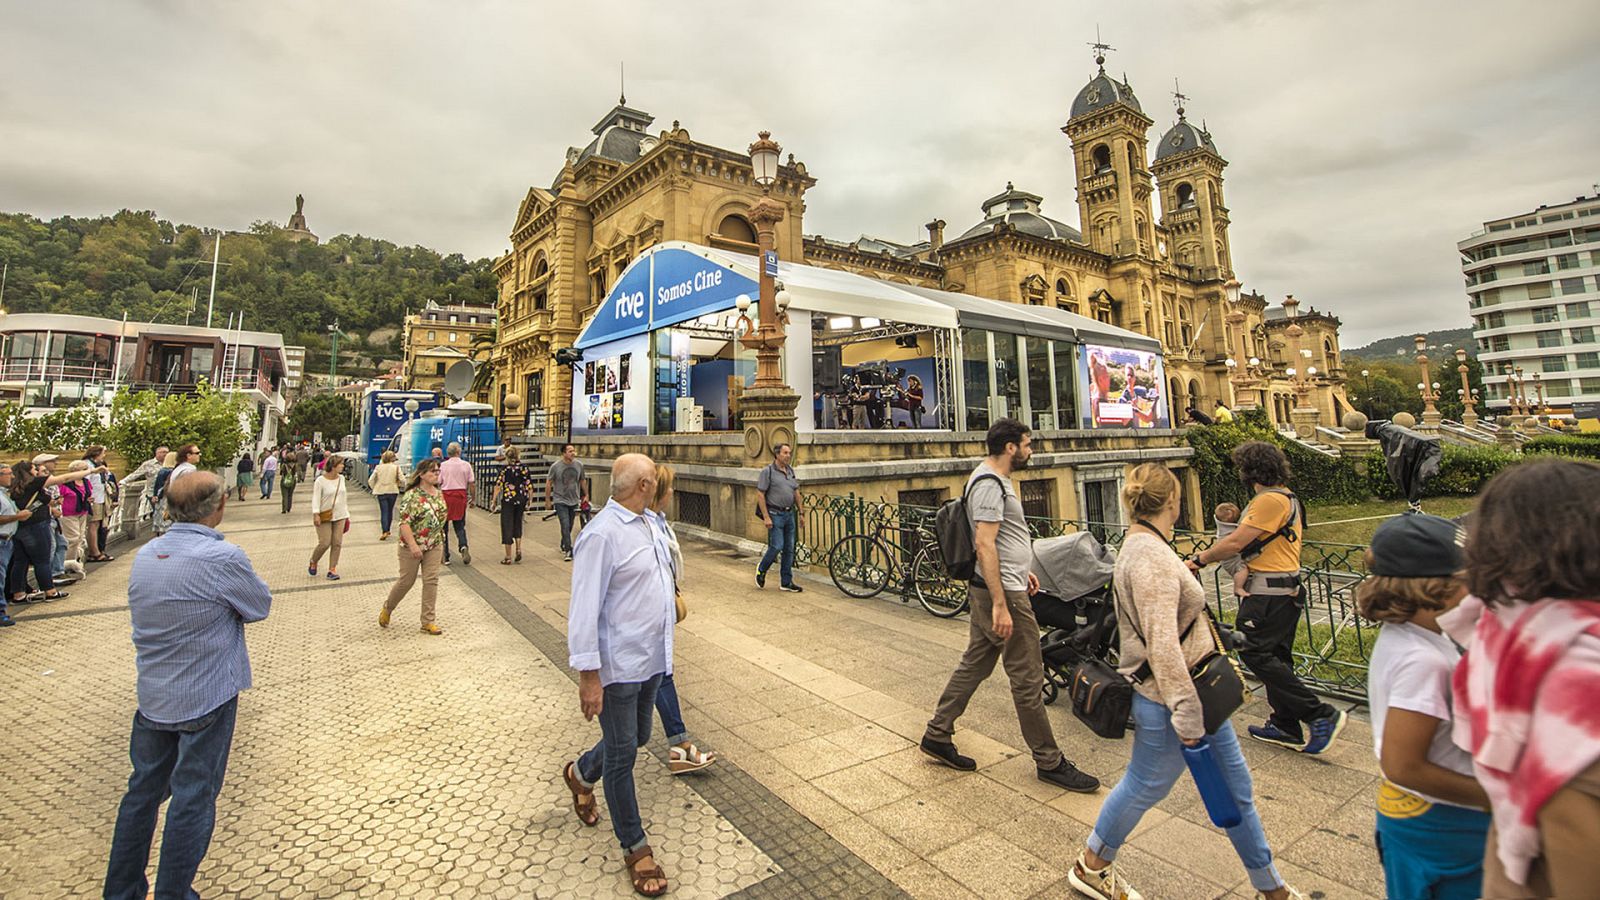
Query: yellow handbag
point(683, 608)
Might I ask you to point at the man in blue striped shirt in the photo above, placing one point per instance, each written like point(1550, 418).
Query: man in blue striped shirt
point(190, 593)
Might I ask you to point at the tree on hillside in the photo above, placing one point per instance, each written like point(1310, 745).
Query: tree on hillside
point(328, 413)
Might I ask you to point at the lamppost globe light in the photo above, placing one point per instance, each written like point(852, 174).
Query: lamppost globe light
point(1461, 354)
point(411, 405)
point(1311, 370)
point(1436, 385)
point(1255, 361)
point(1232, 363)
point(764, 159)
point(1289, 371)
point(1421, 386)
point(782, 300)
point(1365, 373)
point(742, 302)
point(1306, 352)
point(1231, 290)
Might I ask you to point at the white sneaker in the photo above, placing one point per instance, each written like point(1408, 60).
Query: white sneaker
point(1105, 884)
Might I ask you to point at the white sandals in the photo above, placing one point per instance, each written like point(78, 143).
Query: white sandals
point(683, 760)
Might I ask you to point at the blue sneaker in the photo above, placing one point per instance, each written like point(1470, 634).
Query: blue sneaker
point(6, 621)
point(1272, 734)
point(1323, 731)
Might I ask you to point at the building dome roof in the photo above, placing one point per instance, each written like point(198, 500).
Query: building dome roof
point(621, 136)
point(1103, 91)
point(1183, 137)
point(1020, 210)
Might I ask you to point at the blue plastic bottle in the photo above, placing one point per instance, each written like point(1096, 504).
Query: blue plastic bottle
point(1220, 805)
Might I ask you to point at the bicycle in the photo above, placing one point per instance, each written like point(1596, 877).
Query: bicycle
point(861, 566)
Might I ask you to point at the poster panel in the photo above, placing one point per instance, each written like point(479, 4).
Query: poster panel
point(1123, 388)
point(607, 397)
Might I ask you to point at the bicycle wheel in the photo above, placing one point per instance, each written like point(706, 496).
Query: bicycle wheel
point(860, 566)
point(938, 593)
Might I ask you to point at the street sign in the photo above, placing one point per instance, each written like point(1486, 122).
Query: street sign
point(316, 438)
point(769, 261)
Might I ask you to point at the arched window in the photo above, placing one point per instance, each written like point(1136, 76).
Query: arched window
point(1133, 157)
point(1185, 194)
point(737, 228)
point(1330, 357)
point(1194, 391)
point(1064, 296)
point(1185, 328)
point(1102, 159)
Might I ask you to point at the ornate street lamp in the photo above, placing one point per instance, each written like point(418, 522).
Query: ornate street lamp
point(1430, 413)
point(1243, 382)
point(1469, 411)
point(767, 337)
point(1538, 385)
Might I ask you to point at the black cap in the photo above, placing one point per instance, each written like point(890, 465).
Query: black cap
point(1415, 545)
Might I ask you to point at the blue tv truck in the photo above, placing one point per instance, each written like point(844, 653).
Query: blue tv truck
point(469, 424)
point(383, 413)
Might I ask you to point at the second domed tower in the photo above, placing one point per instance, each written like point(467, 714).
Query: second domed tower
point(1188, 171)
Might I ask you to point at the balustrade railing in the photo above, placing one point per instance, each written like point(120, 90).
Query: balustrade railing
point(1333, 644)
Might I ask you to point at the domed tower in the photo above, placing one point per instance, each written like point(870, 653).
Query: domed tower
point(1109, 132)
point(1188, 171)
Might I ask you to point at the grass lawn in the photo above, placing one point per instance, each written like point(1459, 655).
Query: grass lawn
point(1328, 525)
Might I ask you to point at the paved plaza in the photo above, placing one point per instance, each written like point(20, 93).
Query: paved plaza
point(387, 763)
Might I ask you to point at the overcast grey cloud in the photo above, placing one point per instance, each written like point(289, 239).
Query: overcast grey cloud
point(1364, 138)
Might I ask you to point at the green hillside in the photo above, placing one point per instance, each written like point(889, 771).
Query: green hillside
point(1388, 347)
point(136, 263)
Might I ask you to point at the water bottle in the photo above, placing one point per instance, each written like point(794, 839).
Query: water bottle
point(1220, 805)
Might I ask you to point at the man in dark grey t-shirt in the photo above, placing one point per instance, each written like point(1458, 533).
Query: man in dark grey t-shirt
point(565, 490)
point(1003, 626)
point(778, 503)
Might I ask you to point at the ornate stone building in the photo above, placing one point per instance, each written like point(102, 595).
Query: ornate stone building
point(439, 336)
point(1158, 273)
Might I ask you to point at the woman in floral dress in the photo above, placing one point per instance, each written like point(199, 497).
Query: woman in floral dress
point(422, 515)
point(514, 491)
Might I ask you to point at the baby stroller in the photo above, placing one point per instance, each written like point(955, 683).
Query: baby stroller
point(1074, 606)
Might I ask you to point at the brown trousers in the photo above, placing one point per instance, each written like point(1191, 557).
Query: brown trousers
point(1019, 654)
point(330, 540)
point(1570, 828)
point(429, 565)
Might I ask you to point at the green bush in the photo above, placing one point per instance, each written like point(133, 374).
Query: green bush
point(220, 424)
point(1317, 478)
point(73, 427)
point(1586, 446)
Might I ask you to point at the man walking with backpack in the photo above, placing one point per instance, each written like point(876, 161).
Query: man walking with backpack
point(1003, 627)
point(1268, 542)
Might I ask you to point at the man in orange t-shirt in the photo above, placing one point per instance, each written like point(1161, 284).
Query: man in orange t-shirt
point(1274, 601)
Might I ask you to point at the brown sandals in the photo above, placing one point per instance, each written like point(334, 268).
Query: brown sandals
point(640, 876)
point(582, 799)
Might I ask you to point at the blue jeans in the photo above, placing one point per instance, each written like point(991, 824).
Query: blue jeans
point(386, 510)
point(32, 545)
point(1157, 762)
point(266, 484)
point(184, 761)
point(58, 559)
point(624, 728)
point(780, 539)
point(5, 572)
point(671, 715)
point(565, 512)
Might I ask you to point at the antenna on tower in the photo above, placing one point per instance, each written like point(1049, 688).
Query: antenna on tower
point(1178, 98)
point(622, 84)
point(1100, 48)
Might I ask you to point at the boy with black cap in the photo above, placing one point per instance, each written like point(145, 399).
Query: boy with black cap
point(1431, 820)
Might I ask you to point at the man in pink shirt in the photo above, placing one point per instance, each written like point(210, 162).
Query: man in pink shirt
point(455, 479)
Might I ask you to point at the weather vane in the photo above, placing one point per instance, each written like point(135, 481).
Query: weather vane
point(1100, 48)
point(1178, 97)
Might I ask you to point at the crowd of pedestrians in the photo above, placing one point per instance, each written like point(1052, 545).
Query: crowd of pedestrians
point(1481, 678)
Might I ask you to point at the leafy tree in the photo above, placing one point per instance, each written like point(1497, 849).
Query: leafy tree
point(59, 429)
point(328, 413)
point(219, 423)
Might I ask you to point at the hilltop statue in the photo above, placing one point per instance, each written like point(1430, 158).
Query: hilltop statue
point(298, 230)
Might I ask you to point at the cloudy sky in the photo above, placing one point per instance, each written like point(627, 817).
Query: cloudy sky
point(1365, 137)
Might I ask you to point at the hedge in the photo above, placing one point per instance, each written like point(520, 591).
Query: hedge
point(1587, 446)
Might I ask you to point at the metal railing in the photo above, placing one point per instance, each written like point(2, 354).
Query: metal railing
point(1333, 644)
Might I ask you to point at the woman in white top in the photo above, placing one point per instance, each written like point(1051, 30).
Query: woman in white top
point(385, 484)
point(682, 756)
point(1431, 824)
point(188, 461)
point(329, 515)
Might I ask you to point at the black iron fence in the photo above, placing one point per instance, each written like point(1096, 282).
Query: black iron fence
point(1332, 648)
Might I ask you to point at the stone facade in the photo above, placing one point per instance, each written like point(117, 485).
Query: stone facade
point(1162, 276)
point(437, 337)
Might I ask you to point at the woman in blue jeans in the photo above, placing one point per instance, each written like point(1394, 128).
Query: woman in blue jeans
point(682, 755)
point(1157, 600)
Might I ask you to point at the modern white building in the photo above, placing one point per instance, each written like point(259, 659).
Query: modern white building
point(49, 360)
point(1535, 304)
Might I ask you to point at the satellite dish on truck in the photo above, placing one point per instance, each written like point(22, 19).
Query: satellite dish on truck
point(458, 378)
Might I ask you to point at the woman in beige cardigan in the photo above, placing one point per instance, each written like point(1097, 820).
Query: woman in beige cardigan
point(1157, 601)
point(385, 484)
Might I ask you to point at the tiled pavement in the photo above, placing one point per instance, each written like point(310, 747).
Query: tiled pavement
point(388, 763)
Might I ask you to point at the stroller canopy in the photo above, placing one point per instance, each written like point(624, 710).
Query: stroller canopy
point(1072, 565)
